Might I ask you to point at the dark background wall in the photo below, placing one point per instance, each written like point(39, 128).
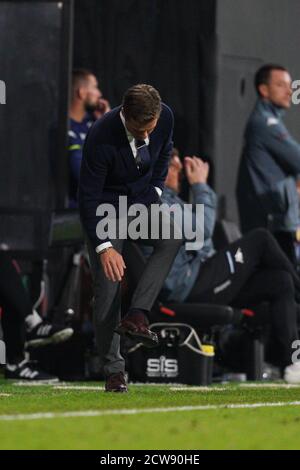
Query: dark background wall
point(29, 65)
point(170, 44)
point(30, 45)
point(200, 54)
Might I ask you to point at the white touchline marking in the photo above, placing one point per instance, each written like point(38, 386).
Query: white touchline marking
point(199, 389)
point(62, 385)
point(95, 387)
point(270, 385)
point(95, 413)
point(35, 383)
point(5, 394)
point(78, 387)
point(155, 384)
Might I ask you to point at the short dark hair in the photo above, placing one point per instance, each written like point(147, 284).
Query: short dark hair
point(80, 77)
point(262, 76)
point(141, 103)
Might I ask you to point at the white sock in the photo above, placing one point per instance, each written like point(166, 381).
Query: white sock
point(31, 321)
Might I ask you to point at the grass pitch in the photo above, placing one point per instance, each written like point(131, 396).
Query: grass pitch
point(149, 417)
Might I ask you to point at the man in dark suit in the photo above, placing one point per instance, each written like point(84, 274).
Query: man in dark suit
point(126, 153)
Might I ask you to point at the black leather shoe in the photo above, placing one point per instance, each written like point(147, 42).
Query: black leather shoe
point(135, 326)
point(116, 383)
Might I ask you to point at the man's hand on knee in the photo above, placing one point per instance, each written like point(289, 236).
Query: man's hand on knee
point(113, 264)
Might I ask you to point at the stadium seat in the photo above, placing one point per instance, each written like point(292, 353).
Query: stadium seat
point(203, 317)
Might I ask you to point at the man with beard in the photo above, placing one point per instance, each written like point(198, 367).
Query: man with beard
point(87, 105)
point(270, 165)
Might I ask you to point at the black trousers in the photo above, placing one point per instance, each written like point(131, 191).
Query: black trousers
point(247, 272)
point(107, 306)
point(286, 242)
point(16, 306)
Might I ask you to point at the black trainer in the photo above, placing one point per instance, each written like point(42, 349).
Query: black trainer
point(28, 370)
point(46, 333)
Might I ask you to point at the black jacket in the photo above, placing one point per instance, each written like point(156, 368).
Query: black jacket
point(108, 168)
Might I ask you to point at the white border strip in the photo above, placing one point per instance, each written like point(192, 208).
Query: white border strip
point(93, 413)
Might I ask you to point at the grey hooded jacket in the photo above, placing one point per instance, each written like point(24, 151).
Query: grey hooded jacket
point(187, 264)
point(270, 163)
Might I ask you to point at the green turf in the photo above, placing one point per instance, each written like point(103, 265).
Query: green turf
point(265, 428)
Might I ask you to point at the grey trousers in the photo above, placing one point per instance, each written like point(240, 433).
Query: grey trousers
point(107, 294)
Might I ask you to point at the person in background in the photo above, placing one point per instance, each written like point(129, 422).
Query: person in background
point(87, 105)
point(249, 271)
point(270, 164)
point(22, 326)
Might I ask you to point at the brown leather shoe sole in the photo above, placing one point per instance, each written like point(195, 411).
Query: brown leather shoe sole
point(147, 338)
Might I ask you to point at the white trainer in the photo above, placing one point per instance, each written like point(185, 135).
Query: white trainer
point(292, 373)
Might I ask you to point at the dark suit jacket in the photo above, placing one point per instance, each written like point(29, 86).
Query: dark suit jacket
point(108, 168)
